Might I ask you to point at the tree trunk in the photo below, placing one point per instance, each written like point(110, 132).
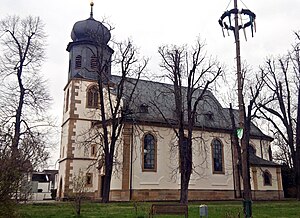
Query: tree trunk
point(246, 167)
point(183, 168)
point(297, 164)
point(186, 168)
point(184, 188)
point(185, 179)
point(78, 206)
point(17, 124)
point(107, 180)
point(236, 156)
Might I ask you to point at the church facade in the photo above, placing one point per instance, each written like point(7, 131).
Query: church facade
point(147, 165)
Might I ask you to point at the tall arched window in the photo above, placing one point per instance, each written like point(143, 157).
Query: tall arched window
point(78, 62)
point(149, 153)
point(217, 156)
point(267, 177)
point(92, 97)
point(67, 101)
point(94, 62)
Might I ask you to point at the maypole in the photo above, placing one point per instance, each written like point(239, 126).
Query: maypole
point(247, 203)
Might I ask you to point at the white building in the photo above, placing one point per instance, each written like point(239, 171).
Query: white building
point(42, 185)
point(147, 158)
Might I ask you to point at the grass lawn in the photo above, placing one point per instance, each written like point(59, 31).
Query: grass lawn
point(228, 209)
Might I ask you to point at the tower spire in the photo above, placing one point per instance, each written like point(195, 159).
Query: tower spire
point(92, 5)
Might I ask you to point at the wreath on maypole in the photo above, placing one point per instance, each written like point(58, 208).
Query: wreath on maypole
point(228, 26)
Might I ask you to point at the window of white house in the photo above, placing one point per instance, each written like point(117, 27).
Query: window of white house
point(89, 179)
point(67, 101)
point(217, 156)
point(267, 178)
point(92, 97)
point(149, 153)
point(93, 150)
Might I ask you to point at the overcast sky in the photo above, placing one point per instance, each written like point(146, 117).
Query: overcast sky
point(153, 23)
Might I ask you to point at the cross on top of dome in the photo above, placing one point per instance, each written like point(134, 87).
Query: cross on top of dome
point(90, 30)
point(92, 5)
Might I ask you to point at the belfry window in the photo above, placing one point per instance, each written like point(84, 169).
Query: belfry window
point(92, 97)
point(149, 153)
point(217, 156)
point(78, 62)
point(94, 62)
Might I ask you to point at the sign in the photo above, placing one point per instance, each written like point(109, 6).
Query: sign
point(239, 133)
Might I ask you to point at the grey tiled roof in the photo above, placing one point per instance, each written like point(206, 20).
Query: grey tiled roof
point(159, 99)
point(257, 161)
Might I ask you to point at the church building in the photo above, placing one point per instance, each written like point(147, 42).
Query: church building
point(147, 165)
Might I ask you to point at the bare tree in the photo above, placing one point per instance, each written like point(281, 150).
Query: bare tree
point(282, 153)
point(117, 106)
point(282, 80)
point(116, 96)
point(79, 191)
point(254, 85)
point(191, 73)
point(295, 57)
point(24, 99)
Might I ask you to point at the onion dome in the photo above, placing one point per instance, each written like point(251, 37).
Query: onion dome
point(91, 30)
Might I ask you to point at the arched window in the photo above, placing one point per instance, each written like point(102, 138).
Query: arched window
point(149, 153)
point(67, 100)
point(89, 179)
point(78, 62)
point(252, 149)
point(217, 156)
point(92, 97)
point(94, 62)
point(267, 177)
point(93, 150)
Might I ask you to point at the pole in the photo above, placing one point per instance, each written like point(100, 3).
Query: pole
point(245, 163)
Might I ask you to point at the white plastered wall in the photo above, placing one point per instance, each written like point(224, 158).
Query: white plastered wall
point(260, 181)
point(261, 147)
point(167, 175)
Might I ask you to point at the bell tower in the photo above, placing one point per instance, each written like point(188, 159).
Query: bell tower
point(89, 60)
point(89, 54)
